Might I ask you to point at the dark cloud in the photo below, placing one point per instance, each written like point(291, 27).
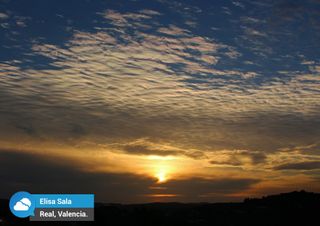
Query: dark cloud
point(102, 123)
point(238, 158)
point(257, 157)
point(266, 132)
point(254, 131)
point(195, 189)
point(139, 149)
point(230, 161)
point(147, 148)
point(43, 174)
point(312, 149)
point(311, 165)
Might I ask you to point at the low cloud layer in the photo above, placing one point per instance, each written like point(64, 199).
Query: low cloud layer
point(43, 174)
point(311, 165)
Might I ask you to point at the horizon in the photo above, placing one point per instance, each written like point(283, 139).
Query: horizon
point(245, 200)
point(160, 101)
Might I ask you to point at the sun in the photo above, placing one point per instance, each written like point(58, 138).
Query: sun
point(161, 176)
point(162, 168)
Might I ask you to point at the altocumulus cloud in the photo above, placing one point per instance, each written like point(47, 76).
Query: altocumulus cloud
point(155, 78)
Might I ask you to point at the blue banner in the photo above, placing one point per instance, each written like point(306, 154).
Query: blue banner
point(63, 200)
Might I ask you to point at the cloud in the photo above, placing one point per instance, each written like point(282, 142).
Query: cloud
point(3, 16)
point(59, 175)
point(22, 205)
point(239, 4)
point(270, 36)
point(26, 201)
point(195, 189)
point(150, 12)
point(140, 84)
point(132, 19)
point(19, 206)
point(62, 176)
point(145, 147)
point(232, 162)
point(158, 87)
point(310, 165)
point(238, 158)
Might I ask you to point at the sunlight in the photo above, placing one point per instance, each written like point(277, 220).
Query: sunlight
point(161, 176)
point(162, 169)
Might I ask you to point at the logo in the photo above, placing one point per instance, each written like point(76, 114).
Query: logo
point(53, 207)
point(22, 204)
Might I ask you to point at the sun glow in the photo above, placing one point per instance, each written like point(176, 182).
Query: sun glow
point(161, 176)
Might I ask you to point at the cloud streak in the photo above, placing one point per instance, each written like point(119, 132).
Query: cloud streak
point(311, 165)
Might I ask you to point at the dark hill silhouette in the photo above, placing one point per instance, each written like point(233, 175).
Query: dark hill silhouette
point(295, 208)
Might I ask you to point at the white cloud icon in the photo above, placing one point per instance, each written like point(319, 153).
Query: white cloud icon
point(26, 201)
point(22, 205)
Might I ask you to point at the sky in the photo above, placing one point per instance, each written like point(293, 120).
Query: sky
point(160, 101)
